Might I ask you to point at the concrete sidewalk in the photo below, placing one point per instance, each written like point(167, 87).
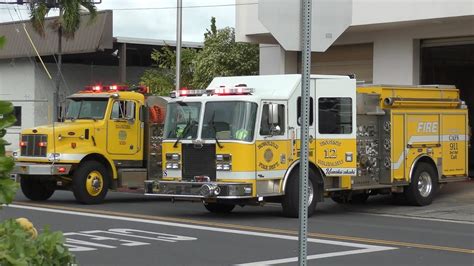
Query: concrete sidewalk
point(454, 201)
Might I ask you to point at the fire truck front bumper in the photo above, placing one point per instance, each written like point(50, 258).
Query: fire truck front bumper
point(23, 168)
point(198, 190)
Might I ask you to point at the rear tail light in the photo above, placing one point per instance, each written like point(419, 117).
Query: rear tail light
point(23, 143)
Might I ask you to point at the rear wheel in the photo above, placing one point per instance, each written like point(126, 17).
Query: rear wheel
point(354, 198)
point(36, 189)
point(90, 183)
point(219, 207)
point(423, 185)
point(359, 198)
point(290, 202)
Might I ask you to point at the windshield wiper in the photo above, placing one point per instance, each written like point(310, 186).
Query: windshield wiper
point(188, 126)
point(88, 117)
point(215, 130)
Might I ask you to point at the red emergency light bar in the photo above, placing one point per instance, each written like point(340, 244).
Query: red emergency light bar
point(115, 88)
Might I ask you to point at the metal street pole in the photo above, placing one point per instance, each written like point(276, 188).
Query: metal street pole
point(305, 94)
point(179, 29)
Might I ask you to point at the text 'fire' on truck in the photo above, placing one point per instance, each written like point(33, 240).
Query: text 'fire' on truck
point(110, 139)
point(237, 142)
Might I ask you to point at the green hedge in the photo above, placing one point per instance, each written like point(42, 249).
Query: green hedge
point(19, 242)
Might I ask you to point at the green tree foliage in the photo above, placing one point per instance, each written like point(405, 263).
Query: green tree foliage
point(221, 56)
point(69, 19)
point(7, 186)
point(19, 243)
point(161, 78)
point(18, 247)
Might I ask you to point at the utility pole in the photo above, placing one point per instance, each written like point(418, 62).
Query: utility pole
point(179, 28)
point(305, 94)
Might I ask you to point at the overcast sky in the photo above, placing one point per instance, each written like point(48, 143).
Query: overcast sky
point(154, 19)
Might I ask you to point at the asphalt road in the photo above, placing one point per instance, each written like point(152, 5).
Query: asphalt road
point(130, 229)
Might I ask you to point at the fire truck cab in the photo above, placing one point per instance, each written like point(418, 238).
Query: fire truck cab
point(238, 142)
point(110, 139)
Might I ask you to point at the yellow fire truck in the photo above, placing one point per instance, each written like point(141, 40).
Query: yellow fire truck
point(110, 139)
point(237, 142)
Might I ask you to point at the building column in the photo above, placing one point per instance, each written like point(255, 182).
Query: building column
point(396, 60)
point(123, 63)
point(275, 60)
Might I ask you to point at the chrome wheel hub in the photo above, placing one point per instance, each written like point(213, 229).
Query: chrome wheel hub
point(96, 183)
point(310, 192)
point(425, 185)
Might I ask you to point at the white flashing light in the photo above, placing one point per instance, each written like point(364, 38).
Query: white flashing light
point(187, 92)
point(237, 90)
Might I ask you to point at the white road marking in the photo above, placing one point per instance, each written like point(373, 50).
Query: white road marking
point(361, 248)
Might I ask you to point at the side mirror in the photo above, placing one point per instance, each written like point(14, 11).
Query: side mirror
point(273, 114)
point(142, 113)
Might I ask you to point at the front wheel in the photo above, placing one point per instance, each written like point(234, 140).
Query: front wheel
point(36, 189)
point(290, 202)
point(423, 185)
point(219, 207)
point(90, 183)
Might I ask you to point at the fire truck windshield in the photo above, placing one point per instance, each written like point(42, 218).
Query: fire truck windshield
point(229, 120)
point(182, 120)
point(86, 108)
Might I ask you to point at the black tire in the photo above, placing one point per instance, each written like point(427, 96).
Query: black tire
point(36, 189)
point(423, 185)
point(338, 199)
point(86, 174)
point(360, 198)
point(290, 201)
point(219, 207)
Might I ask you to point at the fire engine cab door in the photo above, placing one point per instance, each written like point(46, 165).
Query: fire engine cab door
point(123, 128)
point(272, 146)
point(335, 128)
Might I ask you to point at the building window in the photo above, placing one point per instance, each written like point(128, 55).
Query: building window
point(335, 115)
point(17, 113)
point(311, 111)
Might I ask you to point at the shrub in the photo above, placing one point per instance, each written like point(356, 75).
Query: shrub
point(20, 247)
point(20, 243)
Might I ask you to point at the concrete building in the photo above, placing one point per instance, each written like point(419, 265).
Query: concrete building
point(387, 42)
point(94, 56)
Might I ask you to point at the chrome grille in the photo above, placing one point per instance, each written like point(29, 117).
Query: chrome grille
point(32, 148)
point(199, 161)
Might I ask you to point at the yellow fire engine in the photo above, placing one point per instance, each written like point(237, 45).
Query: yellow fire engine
point(237, 142)
point(110, 139)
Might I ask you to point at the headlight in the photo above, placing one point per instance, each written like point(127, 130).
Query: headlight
point(223, 167)
point(54, 157)
point(173, 161)
point(223, 157)
point(172, 157)
point(171, 165)
point(223, 162)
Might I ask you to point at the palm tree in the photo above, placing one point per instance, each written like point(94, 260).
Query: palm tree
point(65, 25)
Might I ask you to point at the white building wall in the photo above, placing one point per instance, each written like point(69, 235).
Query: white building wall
point(388, 11)
point(26, 84)
point(17, 79)
point(395, 27)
